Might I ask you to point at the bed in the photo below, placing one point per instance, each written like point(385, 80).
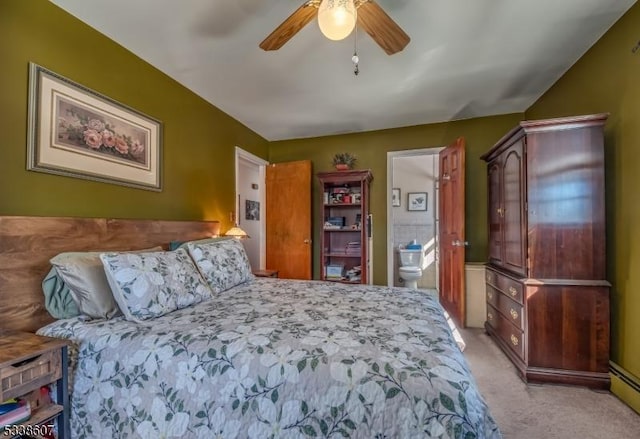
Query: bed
point(276, 358)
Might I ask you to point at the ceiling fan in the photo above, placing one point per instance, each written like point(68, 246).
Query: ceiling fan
point(337, 19)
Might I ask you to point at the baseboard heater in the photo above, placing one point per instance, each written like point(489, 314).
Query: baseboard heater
point(624, 376)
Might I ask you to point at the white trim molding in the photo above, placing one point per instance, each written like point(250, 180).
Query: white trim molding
point(625, 386)
point(241, 154)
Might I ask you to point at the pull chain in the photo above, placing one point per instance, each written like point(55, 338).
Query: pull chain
point(355, 58)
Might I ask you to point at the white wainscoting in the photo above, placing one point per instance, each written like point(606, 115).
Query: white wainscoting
point(475, 294)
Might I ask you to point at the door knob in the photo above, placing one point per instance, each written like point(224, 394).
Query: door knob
point(458, 243)
point(307, 241)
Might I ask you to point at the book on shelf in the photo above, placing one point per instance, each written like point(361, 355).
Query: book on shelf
point(353, 248)
point(354, 274)
point(8, 405)
point(14, 412)
point(334, 271)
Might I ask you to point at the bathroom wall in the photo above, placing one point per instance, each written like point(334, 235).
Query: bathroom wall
point(416, 173)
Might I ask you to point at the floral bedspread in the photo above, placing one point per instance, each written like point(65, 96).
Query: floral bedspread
point(277, 358)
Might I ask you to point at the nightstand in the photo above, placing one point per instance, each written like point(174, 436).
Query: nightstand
point(265, 273)
point(27, 363)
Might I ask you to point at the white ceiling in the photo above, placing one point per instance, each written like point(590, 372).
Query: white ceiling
point(465, 59)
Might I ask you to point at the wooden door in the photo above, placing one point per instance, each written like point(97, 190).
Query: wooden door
point(451, 232)
point(288, 219)
point(512, 208)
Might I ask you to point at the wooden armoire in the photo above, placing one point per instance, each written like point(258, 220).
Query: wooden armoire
point(547, 296)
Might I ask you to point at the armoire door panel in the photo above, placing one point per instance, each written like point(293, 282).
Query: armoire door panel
point(513, 202)
point(495, 213)
point(567, 209)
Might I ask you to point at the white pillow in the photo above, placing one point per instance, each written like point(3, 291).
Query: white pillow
point(148, 285)
point(224, 264)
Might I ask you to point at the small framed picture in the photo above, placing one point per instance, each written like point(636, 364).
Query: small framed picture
point(395, 197)
point(252, 210)
point(417, 201)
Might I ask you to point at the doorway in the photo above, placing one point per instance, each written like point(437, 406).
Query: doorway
point(250, 205)
point(413, 176)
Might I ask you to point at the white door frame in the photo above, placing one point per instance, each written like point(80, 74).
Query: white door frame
point(241, 154)
point(390, 242)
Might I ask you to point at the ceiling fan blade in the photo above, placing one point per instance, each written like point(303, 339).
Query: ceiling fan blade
point(383, 30)
point(291, 26)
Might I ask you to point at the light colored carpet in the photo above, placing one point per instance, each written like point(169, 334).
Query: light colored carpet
point(532, 411)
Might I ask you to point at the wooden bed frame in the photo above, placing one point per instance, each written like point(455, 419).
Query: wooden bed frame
point(27, 244)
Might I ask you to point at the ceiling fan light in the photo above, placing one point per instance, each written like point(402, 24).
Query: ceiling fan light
point(337, 18)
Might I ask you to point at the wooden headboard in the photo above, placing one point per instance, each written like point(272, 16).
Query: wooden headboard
point(27, 244)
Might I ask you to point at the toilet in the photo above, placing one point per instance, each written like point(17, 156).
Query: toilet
point(410, 269)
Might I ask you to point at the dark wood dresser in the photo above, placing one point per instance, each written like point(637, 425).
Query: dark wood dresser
point(547, 296)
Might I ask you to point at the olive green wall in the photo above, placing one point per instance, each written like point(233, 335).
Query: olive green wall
point(199, 144)
point(199, 139)
point(371, 150)
point(607, 79)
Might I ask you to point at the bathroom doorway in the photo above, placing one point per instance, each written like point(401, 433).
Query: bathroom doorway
point(412, 211)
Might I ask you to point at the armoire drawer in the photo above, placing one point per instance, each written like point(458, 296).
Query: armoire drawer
point(508, 286)
point(510, 334)
point(509, 308)
point(493, 295)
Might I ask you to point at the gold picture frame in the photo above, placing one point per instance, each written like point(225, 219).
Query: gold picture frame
point(77, 132)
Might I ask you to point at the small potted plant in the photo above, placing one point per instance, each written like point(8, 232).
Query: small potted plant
point(344, 161)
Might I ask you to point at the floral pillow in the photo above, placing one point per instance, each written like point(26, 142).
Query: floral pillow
point(148, 285)
point(83, 275)
point(224, 264)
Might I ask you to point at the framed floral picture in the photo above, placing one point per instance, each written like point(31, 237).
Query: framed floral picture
point(417, 201)
point(77, 132)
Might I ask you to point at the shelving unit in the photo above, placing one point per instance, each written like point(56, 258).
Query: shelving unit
point(29, 362)
point(346, 236)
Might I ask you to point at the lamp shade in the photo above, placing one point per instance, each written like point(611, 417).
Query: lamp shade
point(337, 18)
point(237, 232)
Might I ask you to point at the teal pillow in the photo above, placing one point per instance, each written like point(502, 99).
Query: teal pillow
point(57, 297)
point(84, 274)
point(183, 244)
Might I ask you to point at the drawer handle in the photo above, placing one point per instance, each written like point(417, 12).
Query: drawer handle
point(514, 314)
point(488, 277)
point(27, 361)
point(514, 340)
point(513, 291)
point(490, 295)
point(490, 316)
